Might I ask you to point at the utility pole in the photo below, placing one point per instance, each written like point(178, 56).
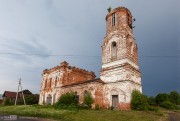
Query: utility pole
point(20, 87)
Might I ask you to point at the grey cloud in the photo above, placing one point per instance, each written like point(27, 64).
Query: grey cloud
point(78, 28)
point(24, 50)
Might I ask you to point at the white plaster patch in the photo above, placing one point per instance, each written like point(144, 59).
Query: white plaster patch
point(119, 62)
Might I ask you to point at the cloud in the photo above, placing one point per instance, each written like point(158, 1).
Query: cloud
point(65, 27)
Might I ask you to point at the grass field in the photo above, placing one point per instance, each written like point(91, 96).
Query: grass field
point(82, 115)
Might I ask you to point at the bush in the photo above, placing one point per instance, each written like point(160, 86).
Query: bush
point(162, 97)
point(174, 97)
point(152, 108)
point(7, 102)
point(32, 99)
point(168, 105)
point(139, 101)
point(67, 101)
point(152, 101)
point(88, 100)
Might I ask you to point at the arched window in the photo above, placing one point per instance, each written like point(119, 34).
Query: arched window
point(113, 51)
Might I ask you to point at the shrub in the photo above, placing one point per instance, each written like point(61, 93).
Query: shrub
point(168, 105)
point(162, 97)
point(88, 100)
point(152, 108)
point(7, 102)
point(139, 101)
point(152, 101)
point(174, 97)
point(67, 101)
point(32, 99)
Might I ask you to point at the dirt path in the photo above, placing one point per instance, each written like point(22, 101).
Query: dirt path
point(174, 116)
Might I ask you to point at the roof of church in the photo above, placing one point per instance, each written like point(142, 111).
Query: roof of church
point(64, 64)
point(86, 81)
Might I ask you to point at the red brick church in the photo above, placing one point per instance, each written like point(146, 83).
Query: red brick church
point(119, 74)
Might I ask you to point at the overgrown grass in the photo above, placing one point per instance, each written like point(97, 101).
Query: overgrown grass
point(81, 115)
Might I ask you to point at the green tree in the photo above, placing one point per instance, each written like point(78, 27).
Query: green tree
point(162, 97)
point(139, 101)
point(174, 97)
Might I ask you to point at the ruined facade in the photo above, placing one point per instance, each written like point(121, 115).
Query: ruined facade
point(119, 74)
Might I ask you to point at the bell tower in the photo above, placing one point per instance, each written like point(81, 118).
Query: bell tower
point(119, 50)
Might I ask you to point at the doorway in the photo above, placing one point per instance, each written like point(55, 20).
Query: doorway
point(115, 101)
point(49, 99)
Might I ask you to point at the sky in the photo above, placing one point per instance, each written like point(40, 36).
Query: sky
point(40, 34)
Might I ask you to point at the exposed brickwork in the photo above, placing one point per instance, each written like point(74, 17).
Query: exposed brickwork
point(64, 75)
point(120, 68)
point(119, 75)
point(124, 106)
point(98, 100)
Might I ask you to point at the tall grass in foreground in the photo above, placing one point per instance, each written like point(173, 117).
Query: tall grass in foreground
point(81, 115)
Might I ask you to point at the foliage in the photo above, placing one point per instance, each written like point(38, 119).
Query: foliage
point(29, 99)
point(47, 111)
point(174, 97)
point(109, 9)
point(168, 105)
point(169, 101)
point(162, 97)
point(88, 99)
point(8, 101)
point(139, 101)
point(67, 101)
point(152, 108)
point(152, 101)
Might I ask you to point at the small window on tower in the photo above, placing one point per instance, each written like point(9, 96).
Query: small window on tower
point(113, 19)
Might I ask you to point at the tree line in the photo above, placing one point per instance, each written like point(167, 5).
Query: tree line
point(166, 100)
